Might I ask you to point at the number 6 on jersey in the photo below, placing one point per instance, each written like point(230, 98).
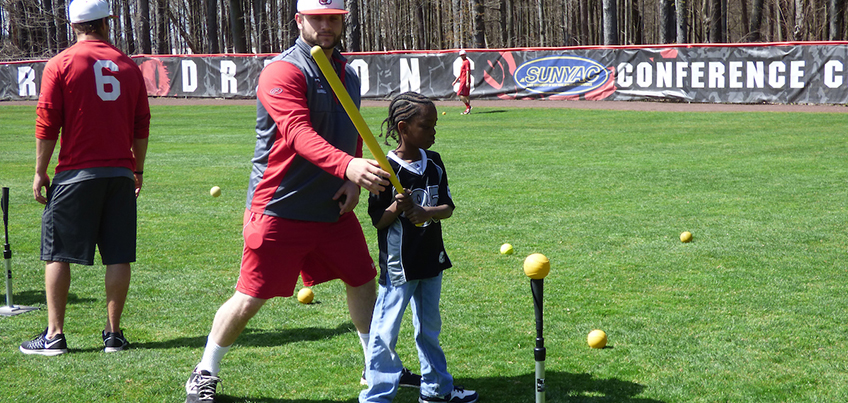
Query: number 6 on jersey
point(102, 80)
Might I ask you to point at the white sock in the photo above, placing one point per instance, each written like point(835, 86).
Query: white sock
point(212, 356)
point(363, 339)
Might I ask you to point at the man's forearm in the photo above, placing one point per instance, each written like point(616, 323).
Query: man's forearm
point(43, 153)
point(139, 152)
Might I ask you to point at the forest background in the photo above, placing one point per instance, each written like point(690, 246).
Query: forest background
point(38, 29)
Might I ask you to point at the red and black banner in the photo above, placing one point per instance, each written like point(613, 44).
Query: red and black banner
point(782, 73)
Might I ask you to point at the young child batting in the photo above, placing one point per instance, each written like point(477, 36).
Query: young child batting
point(412, 257)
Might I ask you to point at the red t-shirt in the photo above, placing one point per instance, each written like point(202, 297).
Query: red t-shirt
point(464, 89)
point(95, 95)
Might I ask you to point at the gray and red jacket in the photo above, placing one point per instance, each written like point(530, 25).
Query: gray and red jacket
point(304, 138)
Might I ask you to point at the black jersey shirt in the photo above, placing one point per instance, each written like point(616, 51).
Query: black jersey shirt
point(408, 252)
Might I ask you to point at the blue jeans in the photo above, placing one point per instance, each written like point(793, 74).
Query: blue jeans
point(384, 367)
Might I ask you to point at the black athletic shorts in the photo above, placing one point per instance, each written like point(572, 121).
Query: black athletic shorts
point(97, 212)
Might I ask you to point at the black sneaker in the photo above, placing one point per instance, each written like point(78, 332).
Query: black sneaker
point(458, 395)
point(113, 342)
point(408, 379)
point(200, 387)
point(43, 346)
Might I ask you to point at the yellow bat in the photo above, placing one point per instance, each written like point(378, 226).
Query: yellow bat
point(356, 117)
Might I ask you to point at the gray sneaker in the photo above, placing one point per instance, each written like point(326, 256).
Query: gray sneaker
point(41, 345)
point(200, 387)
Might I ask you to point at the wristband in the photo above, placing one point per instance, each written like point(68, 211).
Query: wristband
point(139, 172)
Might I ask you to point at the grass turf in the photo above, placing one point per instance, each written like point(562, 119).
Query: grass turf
point(753, 309)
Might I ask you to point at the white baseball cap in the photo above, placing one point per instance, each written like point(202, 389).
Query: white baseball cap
point(88, 10)
point(314, 7)
point(462, 52)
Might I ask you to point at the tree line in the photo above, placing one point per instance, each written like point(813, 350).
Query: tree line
point(39, 28)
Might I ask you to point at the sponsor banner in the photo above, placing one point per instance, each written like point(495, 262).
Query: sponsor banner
point(203, 77)
point(813, 73)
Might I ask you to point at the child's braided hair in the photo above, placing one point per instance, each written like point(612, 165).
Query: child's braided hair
point(402, 108)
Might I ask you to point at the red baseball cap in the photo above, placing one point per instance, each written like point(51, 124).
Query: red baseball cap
point(316, 7)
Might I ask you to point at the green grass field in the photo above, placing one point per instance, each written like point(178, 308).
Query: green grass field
point(754, 309)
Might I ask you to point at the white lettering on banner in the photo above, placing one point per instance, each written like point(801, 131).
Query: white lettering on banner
point(681, 73)
point(361, 69)
point(228, 77)
point(831, 78)
point(189, 75)
point(735, 74)
point(719, 75)
point(776, 78)
point(625, 75)
point(697, 75)
point(26, 82)
point(643, 76)
point(664, 74)
point(716, 74)
point(113, 91)
point(756, 74)
point(796, 73)
point(410, 75)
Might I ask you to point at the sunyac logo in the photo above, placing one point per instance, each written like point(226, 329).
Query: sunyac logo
point(561, 75)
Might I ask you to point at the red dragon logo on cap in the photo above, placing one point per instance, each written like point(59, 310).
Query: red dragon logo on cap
point(325, 2)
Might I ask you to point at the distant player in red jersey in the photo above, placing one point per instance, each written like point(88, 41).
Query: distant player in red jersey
point(464, 80)
point(95, 96)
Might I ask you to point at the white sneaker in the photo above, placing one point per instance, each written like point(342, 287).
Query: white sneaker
point(458, 395)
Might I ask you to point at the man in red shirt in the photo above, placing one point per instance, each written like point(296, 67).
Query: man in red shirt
point(95, 96)
point(464, 80)
point(304, 184)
